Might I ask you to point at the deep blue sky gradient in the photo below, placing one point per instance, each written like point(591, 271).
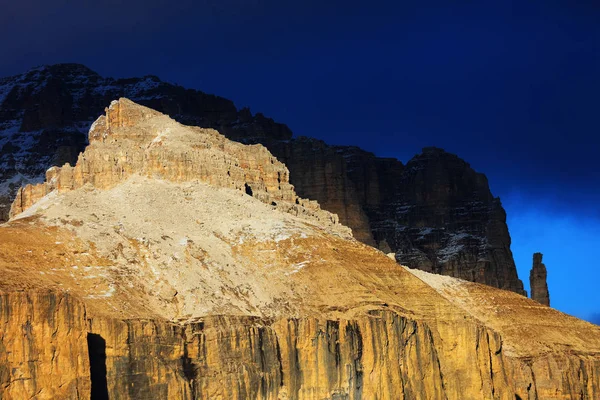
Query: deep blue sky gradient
point(511, 87)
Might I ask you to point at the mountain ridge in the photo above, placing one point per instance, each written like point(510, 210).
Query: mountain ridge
point(47, 111)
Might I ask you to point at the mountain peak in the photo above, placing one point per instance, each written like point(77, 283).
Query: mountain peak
point(131, 139)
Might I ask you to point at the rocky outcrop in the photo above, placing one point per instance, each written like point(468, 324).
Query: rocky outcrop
point(435, 213)
point(132, 139)
point(319, 171)
point(537, 281)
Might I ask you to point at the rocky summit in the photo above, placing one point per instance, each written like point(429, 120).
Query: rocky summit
point(169, 262)
point(435, 213)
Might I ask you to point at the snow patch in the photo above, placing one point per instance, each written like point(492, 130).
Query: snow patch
point(423, 232)
point(5, 88)
point(456, 244)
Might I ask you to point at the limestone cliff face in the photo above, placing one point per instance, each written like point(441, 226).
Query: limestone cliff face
point(537, 281)
point(133, 275)
point(319, 171)
point(46, 113)
point(378, 355)
point(436, 213)
point(43, 350)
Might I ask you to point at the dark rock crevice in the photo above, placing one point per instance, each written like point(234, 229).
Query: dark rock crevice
point(97, 356)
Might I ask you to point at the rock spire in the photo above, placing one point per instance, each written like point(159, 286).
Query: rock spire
point(537, 280)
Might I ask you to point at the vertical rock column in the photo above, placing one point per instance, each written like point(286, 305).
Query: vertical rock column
point(537, 281)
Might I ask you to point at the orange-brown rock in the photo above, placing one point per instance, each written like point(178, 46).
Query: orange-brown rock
point(135, 282)
point(43, 351)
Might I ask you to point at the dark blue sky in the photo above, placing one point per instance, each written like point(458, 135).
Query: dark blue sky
point(512, 87)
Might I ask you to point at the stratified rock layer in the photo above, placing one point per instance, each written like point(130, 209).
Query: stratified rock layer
point(132, 281)
point(445, 220)
point(538, 281)
point(436, 213)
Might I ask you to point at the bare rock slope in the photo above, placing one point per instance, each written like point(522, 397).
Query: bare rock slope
point(435, 213)
point(138, 274)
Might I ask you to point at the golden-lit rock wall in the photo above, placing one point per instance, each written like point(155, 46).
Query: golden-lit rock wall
point(45, 344)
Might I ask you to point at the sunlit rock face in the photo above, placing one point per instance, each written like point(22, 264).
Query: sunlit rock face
point(45, 115)
point(135, 140)
point(435, 213)
point(124, 279)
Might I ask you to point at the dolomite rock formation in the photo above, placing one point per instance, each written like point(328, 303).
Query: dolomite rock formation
point(135, 281)
point(46, 113)
point(320, 172)
point(132, 139)
point(435, 213)
point(537, 281)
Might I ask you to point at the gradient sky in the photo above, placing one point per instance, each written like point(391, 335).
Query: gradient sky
point(511, 87)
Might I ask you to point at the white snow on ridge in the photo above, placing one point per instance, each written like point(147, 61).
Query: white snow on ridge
point(16, 181)
point(17, 165)
point(424, 232)
point(5, 89)
point(105, 88)
point(455, 245)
